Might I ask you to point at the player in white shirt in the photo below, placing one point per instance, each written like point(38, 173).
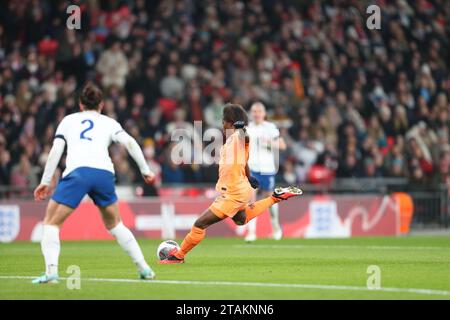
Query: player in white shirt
point(89, 170)
point(265, 143)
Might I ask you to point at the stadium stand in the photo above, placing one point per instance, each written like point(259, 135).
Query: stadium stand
point(349, 101)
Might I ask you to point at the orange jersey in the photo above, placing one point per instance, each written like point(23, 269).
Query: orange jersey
point(233, 160)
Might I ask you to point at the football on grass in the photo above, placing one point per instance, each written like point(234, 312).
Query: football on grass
point(165, 247)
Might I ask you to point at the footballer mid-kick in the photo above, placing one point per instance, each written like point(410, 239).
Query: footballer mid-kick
point(235, 186)
point(89, 170)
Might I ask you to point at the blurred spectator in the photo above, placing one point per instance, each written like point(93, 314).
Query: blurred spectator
point(113, 66)
point(171, 85)
point(5, 164)
point(172, 172)
point(213, 111)
point(348, 167)
point(23, 174)
point(155, 167)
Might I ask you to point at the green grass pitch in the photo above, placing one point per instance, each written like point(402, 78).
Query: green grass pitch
point(411, 268)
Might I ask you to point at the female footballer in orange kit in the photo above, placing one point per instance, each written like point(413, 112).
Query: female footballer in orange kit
point(235, 186)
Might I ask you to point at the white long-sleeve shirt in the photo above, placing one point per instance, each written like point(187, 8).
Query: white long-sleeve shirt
point(262, 153)
point(88, 135)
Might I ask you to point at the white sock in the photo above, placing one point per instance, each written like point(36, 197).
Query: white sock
point(128, 243)
point(50, 247)
point(274, 217)
point(251, 227)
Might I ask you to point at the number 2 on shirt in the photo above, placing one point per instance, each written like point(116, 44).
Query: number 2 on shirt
point(90, 126)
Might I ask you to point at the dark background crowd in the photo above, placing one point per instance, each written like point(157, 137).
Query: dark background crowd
point(349, 101)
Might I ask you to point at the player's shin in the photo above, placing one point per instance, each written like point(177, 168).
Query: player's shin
point(50, 247)
point(128, 243)
point(255, 209)
point(193, 238)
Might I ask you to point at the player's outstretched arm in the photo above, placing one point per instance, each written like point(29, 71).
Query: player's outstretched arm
point(279, 144)
point(247, 171)
point(253, 181)
point(136, 153)
point(43, 190)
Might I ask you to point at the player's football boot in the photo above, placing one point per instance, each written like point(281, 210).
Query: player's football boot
point(171, 258)
point(250, 237)
point(43, 278)
point(147, 274)
point(286, 192)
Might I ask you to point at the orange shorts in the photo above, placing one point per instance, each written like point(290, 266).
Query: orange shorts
point(226, 205)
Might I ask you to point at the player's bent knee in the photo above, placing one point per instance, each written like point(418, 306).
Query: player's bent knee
point(111, 224)
point(200, 224)
point(57, 214)
point(240, 218)
point(110, 216)
point(50, 211)
point(206, 219)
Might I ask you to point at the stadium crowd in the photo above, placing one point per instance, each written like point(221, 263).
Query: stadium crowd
point(349, 101)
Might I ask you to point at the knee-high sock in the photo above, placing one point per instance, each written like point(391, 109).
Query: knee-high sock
point(128, 243)
point(251, 227)
point(193, 238)
point(274, 217)
point(50, 248)
point(255, 209)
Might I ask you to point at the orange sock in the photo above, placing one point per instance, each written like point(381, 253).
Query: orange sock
point(255, 209)
point(192, 239)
